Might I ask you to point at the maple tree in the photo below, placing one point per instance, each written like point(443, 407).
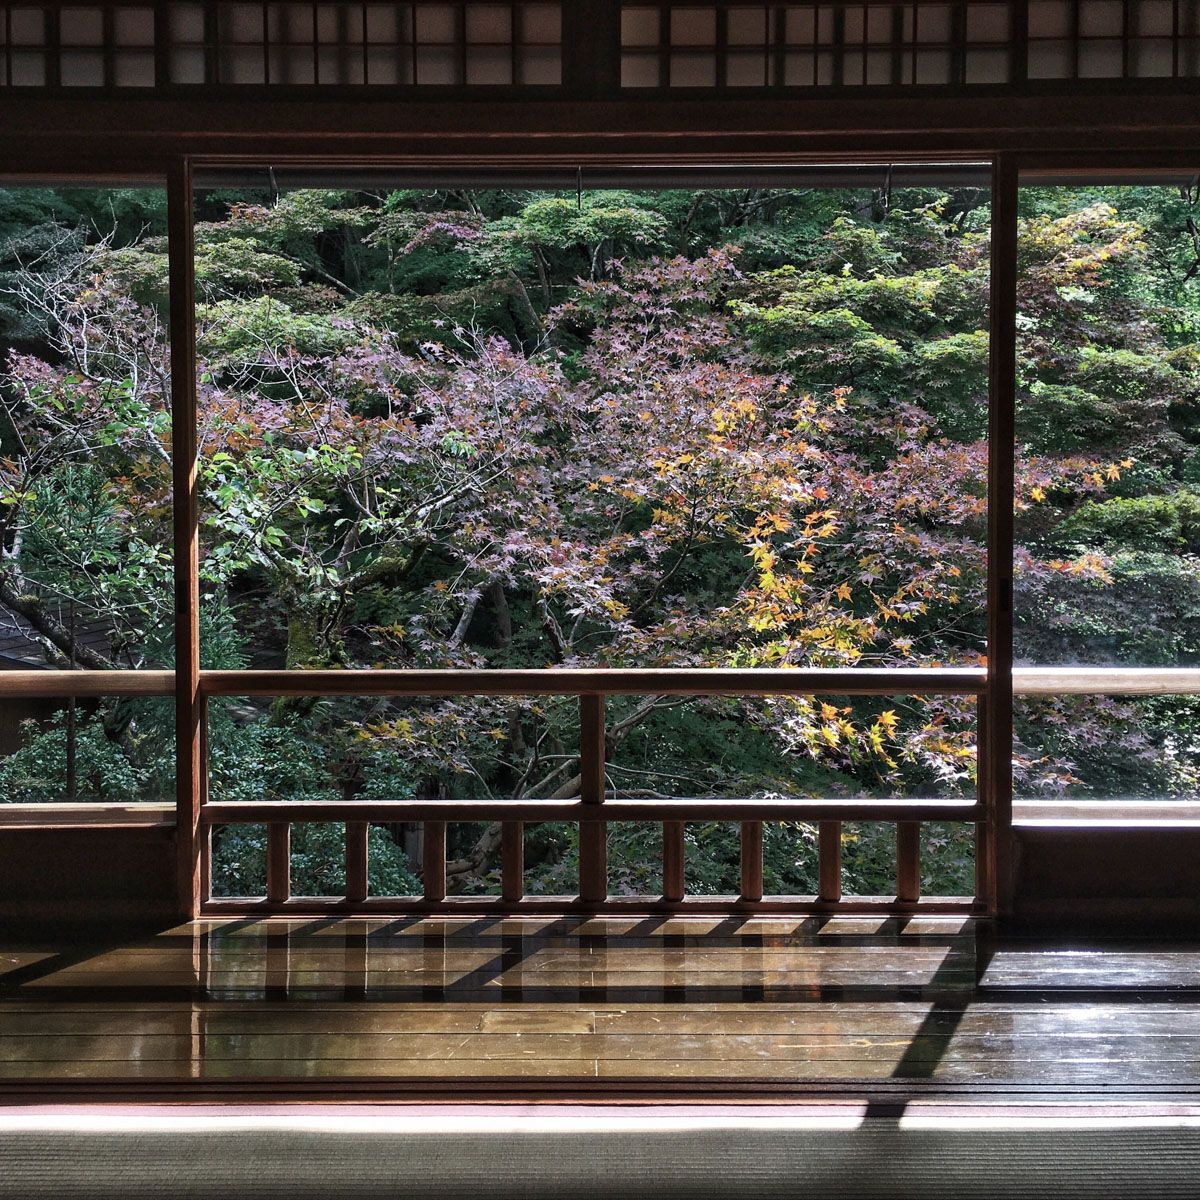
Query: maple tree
point(506, 429)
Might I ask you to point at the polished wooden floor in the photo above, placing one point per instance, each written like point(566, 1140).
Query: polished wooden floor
point(661, 1001)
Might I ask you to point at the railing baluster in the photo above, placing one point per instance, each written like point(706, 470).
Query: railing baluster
point(983, 857)
point(593, 835)
point(433, 860)
point(908, 860)
point(673, 884)
point(204, 750)
point(356, 861)
point(512, 860)
point(206, 840)
point(829, 856)
point(279, 862)
point(752, 860)
point(205, 832)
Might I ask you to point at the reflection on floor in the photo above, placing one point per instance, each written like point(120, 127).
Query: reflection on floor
point(733, 999)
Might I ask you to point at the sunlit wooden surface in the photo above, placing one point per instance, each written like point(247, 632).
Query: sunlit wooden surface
point(574, 999)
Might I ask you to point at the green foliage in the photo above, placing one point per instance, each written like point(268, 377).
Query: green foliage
point(258, 760)
point(318, 862)
point(1169, 523)
point(116, 772)
point(740, 427)
point(257, 337)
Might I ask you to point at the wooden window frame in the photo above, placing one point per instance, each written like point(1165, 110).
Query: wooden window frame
point(192, 687)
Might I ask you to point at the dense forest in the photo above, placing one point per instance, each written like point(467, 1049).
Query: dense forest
point(515, 428)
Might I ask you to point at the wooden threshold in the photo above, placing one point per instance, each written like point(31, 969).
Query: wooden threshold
point(573, 906)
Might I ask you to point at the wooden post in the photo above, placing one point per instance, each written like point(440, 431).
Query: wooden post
point(185, 517)
point(72, 786)
point(356, 861)
point(512, 860)
point(206, 844)
point(433, 859)
point(983, 848)
point(593, 835)
point(205, 832)
point(279, 862)
point(672, 858)
point(1002, 385)
point(829, 859)
point(752, 860)
point(908, 860)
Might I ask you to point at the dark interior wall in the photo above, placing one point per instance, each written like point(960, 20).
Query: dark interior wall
point(1107, 872)
point(85, 876)
point(89, 876)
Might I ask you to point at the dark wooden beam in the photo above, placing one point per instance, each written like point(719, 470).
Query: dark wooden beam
point(996, 784)
point(188, 765)
point(134, 135)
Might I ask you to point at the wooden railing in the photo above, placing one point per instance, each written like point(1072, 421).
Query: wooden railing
point(592, 809)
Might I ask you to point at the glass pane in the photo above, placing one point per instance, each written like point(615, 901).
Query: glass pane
point(417, 414)
point(85, 487)
point(96, 751)
point(1108, 561)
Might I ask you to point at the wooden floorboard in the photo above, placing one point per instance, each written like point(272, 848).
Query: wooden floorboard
point(461, 1005)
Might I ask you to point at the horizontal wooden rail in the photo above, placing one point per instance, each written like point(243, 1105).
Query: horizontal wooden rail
point(1108, 681)
point(100, 815)
point(240, 812)
point(1063, 813)
point(587, 681)
point(690, 681)
point(53, 683)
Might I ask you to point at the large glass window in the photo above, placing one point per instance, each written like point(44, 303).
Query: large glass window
point(1108, 488)
point(85, 488)
point(507, 427)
